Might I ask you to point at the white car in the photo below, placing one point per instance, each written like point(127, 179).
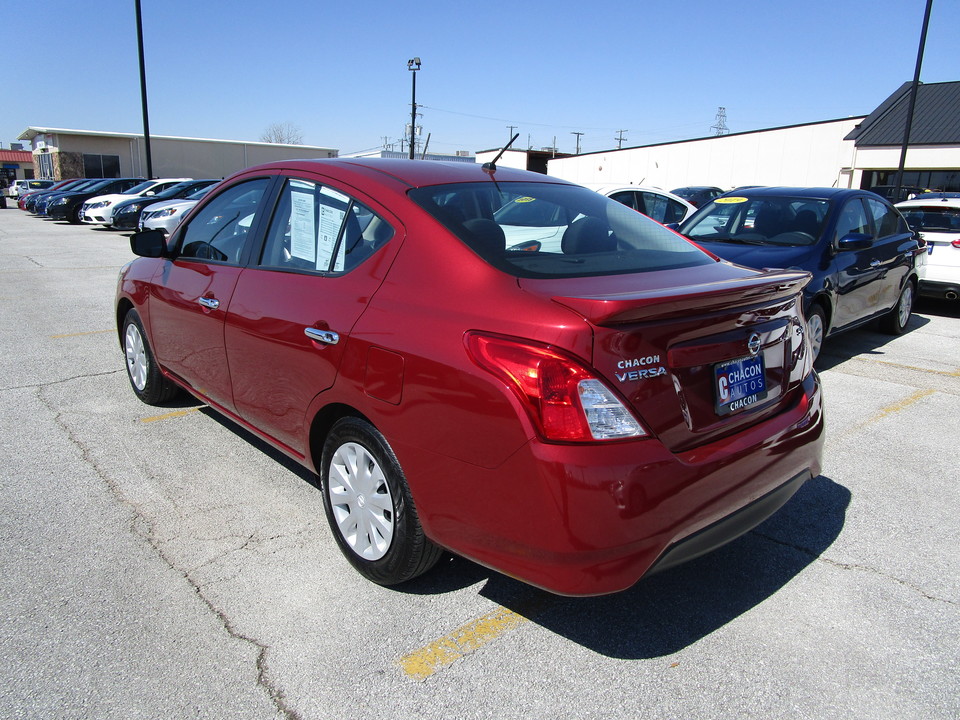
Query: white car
point(936, 216)
point(99, 209)
point(167, 215)
point(22, 187)
point(533, 225)
point(662, 206)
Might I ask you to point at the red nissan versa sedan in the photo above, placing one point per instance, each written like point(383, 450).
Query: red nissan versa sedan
point(575, 418)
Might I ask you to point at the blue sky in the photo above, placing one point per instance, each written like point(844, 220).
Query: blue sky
point(338, 70)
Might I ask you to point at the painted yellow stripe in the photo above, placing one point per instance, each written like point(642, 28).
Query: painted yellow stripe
point(91, 332)
point(901, 405)
point(948, 373)
point(169, 415)
point(424, 662)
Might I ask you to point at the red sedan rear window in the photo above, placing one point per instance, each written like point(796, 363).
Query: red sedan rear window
point(555, 230)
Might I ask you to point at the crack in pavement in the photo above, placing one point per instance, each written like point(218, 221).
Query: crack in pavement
point(143, 527)
point(855, 566)
point(39, 387)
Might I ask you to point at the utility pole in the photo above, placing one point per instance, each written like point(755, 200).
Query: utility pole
point(578, 134)
point(620, 138)
point(511, 128)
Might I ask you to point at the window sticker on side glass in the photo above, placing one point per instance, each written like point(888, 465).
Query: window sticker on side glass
point(302, 224)
point(330, 220)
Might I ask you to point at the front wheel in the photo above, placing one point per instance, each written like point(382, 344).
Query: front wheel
point(145, 377)
point(369, 506)
point(895, 322)
point(816, 329)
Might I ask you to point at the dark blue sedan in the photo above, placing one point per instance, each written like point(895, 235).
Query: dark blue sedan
point(860, 250)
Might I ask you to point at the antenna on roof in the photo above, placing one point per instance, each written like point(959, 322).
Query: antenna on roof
point(491, 167)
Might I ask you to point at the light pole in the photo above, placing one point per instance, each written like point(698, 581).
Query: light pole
point(413, 66)
point(143, 91)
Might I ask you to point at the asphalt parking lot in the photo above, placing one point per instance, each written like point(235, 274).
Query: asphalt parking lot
point(163, 563)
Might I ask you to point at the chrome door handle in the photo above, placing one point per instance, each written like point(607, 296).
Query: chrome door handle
point(211, 303)
point(874, 263)
point(325, 336)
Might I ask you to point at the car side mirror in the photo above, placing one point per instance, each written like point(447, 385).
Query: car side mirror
point(855, 241)
point(672, 226)
point(149, 243)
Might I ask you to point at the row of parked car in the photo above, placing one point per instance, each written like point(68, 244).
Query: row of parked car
point(117, 203)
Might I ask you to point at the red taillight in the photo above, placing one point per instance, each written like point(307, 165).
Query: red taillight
point(956, 243)
point(566, 401)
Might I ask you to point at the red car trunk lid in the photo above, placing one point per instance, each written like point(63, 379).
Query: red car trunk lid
point(675, 349)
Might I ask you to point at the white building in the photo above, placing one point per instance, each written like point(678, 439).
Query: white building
point(861, 151)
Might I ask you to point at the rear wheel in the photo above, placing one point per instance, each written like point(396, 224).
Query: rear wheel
point(369, 506)
point(895, 322)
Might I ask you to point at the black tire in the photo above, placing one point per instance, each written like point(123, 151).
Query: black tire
point(76, 216)
point(145, 378)
point(369, 506)
point(895, 322)
point(816, 329)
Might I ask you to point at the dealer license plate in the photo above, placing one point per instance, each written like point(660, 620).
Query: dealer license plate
point(739, 384)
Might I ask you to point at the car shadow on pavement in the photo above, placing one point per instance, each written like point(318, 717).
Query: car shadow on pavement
point(669, 611)
point(868, 340)
point(661, 614)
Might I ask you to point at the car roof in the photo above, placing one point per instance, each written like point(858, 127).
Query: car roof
point(412, 173)
point(815, 193)
point(606, 188)
point(931, 201)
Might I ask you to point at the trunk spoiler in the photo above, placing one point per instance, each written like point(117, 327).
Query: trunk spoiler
point(662, 303)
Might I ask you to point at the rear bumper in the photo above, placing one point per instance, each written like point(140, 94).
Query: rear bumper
point(591, 520)
point(939, 289)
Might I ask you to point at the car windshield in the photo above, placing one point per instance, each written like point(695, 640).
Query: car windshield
point(531, 229)
point(933, 218)
point(764, 220)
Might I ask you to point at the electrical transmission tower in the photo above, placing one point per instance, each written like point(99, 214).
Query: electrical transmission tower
point(720, 126)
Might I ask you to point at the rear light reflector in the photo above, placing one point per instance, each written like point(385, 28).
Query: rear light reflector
point(956, 243)
point(566, 401)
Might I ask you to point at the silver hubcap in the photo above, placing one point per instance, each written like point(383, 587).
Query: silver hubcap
point(361, 501)
point(906, 303)
point(136, 357)
point(815, 333)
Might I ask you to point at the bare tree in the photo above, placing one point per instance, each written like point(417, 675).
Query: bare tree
point(284, 133)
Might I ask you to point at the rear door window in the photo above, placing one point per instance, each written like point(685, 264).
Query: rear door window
point(316, 228)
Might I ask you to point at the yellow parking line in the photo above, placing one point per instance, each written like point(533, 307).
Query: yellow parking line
point(424, 662)
point(901, 405)
point(955, 373)
point(91, 332)
point(169, 415)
